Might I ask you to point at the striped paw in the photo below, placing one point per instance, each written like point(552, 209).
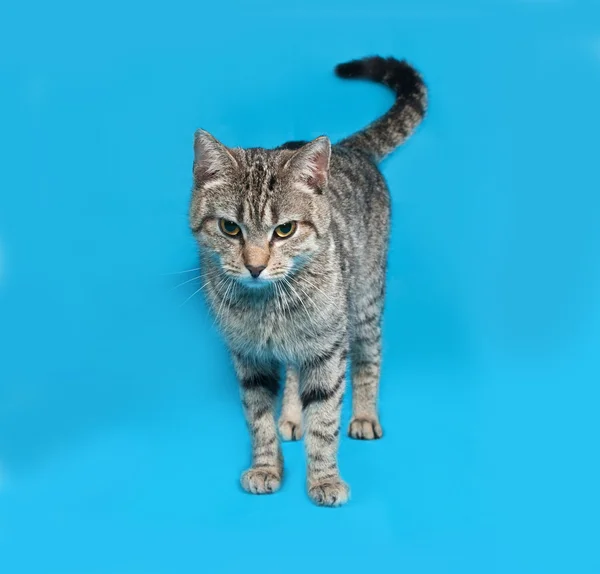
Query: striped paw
point(365, 429)
point(261, 480)
point(290, 430)
point(334, 492)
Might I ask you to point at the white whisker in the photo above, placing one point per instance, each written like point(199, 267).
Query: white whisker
point(194, 293)
point(218, 314)
point(318, 311)
point(308, 315)
point(328, 297)
point(188, 281)
point(279, 298)
point(181, 272)
point(235, 284)
point(285, 296)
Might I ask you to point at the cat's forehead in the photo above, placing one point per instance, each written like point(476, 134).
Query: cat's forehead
point(261, 197)
point(260, 169)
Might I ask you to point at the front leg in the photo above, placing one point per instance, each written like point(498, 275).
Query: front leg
point(290, 421)
point(259, 385)
point(322, 390)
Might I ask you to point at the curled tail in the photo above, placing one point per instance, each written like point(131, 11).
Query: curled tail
point(393, 128)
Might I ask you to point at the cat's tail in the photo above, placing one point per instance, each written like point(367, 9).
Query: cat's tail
point(393, 128)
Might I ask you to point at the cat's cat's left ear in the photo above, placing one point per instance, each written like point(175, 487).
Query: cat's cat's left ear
point(212, 160)
point(311, 163)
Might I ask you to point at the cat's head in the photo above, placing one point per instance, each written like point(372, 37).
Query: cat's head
point(259, 214)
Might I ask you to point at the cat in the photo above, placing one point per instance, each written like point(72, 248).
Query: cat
point(293, 246)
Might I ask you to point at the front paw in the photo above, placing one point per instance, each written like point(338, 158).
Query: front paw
point(365, 429)
point(333, 492)
point(261, 480)
point(290, 429)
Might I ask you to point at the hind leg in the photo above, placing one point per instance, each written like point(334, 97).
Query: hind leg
point(290, 421)
point(366, 368)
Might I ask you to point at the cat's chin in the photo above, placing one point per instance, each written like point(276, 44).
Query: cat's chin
point(256, 284)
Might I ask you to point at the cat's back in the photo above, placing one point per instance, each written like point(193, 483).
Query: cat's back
point(358, 193)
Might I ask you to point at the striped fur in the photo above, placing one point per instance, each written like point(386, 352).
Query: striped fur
point(391, 130)
point(318, 303)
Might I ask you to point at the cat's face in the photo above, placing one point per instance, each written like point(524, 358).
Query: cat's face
point(259, 214)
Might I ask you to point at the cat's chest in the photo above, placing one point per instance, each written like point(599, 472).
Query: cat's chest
point(264, 333)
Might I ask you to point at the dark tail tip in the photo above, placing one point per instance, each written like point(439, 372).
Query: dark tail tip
point(383, 135)
point(399, 75)
point(353, 69)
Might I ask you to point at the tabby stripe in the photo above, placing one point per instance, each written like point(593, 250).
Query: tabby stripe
point(368, 319)
point(324, 437)
point(258, 381)
point(365, 363)
point(373, 300)
point(367, 340)
point(327, 476)
point(318, 457)
point(324, 357)
point(262, 465)
point(198, 227)
point(320, 394)
point(327, 424)
point(261, 412)
point(269, 453)
point(267, 443)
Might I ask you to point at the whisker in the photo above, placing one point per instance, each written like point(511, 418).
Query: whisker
point(317, 309)
point(279, 299)
point(195, 292)
point(284, 298)
point(180, 272)
point(231, 282)
point(188, 281)
point(300, 299)
point(326, 295)
point(235, 284)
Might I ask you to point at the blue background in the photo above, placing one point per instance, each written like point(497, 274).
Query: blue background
point(121, 432)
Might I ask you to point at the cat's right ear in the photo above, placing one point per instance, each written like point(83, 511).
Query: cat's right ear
point(212, 160)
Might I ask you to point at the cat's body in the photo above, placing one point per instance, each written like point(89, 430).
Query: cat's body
point(321, 297)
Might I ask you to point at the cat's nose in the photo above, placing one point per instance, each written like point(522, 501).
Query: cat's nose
point(256, 270)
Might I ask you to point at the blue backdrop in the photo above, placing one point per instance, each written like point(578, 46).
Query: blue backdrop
point(121, 432)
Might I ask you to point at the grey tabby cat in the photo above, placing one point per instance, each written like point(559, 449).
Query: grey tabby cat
point(293, 245)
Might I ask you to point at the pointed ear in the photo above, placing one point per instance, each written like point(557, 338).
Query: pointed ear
point(311, 163)
point(212, 160)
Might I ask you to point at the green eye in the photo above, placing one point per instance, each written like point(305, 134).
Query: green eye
point(285, 229)
point(229, 227)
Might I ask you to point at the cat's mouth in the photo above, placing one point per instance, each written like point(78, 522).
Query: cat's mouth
point(258, 281)
point(255, 283)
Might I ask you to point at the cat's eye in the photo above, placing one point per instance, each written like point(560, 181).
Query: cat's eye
point(285, 229)
point(229, 227)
